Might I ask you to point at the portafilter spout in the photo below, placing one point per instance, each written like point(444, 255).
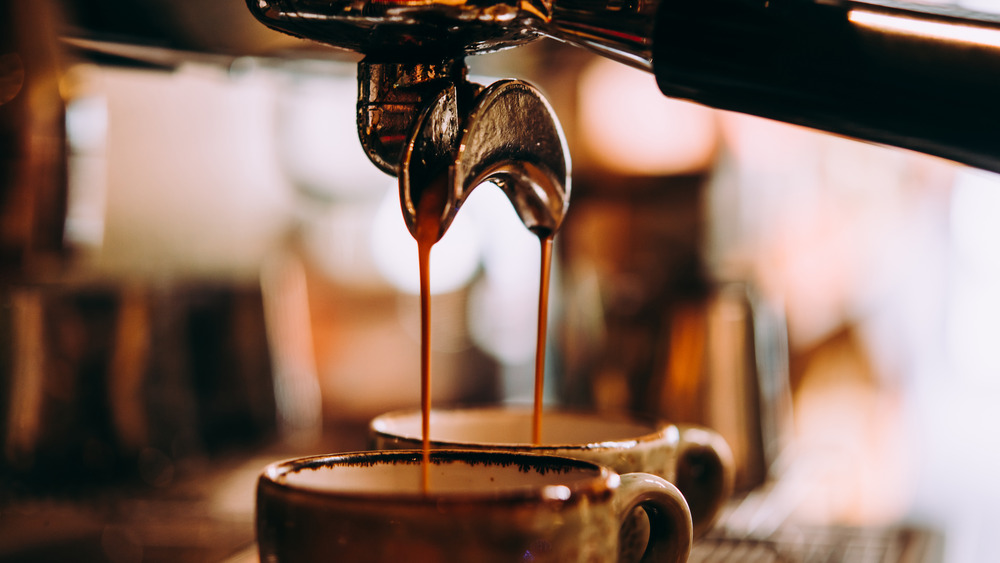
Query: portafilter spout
point(420, 119)
point(510, 138)
point(506, 134)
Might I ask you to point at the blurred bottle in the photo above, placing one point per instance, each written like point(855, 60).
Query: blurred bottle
point(32, 139)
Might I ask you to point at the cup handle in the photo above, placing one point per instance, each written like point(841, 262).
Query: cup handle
point(670, 528)
point(704, 472)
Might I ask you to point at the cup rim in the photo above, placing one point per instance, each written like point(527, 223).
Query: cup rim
point(600, 483)
point(659, 430)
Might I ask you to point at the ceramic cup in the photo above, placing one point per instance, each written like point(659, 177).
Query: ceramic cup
point(484, 506)
point(695, 459)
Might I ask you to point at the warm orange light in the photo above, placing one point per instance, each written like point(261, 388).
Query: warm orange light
point(958, 31)
point(629, 127)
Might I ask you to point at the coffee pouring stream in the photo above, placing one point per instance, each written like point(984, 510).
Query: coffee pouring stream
point(910, 75)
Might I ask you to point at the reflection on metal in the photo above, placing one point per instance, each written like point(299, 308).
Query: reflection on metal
point(958, 31)
point(422, 122)
point(619, 30)
point(379, 28)
point(513, 139)
point(391, 97)
point(510, 138)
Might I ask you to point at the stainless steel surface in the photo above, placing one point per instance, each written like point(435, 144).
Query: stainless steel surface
point(421, 27)
point(622, 31)
point(392, 96)
point(427, 123)
point(177, 30)
point(904, 74)
point(511, 138)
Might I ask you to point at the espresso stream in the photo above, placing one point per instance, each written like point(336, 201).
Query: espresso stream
point(543, 315)
point(428, 231)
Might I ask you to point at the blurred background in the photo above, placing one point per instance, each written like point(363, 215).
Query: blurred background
point(231, 283)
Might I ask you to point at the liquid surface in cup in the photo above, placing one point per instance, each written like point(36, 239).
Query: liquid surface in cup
point(508, 426)
point(469, 476)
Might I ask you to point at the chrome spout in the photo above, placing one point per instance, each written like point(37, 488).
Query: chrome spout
point(428, 125)
point(511, 138)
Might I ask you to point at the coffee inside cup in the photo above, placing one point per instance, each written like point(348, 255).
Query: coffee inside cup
point(467, 474)
point(510, 426)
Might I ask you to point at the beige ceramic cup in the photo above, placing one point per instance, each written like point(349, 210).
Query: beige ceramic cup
point(483, 506)
point(695, 459)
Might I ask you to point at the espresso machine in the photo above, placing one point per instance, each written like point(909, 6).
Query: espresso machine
point(676, 340)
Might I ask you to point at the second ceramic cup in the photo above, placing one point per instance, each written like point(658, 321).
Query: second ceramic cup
point(695, 459)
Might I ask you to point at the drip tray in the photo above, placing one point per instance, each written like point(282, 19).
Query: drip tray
point(794, 544)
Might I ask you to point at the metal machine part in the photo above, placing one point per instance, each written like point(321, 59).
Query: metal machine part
point(620, 30)
point(510, 138)
point(420, 118)
point(421, 121)
point(413, 26)
point(910, 75)
point(393, 95)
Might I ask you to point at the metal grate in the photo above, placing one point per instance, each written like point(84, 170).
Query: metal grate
point(823, 545)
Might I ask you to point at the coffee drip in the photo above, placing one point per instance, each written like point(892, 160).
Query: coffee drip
point(543, 316)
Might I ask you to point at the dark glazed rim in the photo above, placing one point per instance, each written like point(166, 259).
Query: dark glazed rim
point(661, 430)
point(599, 484)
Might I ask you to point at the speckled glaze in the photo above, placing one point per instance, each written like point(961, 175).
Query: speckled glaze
point(487, 506)
point(695, 459)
